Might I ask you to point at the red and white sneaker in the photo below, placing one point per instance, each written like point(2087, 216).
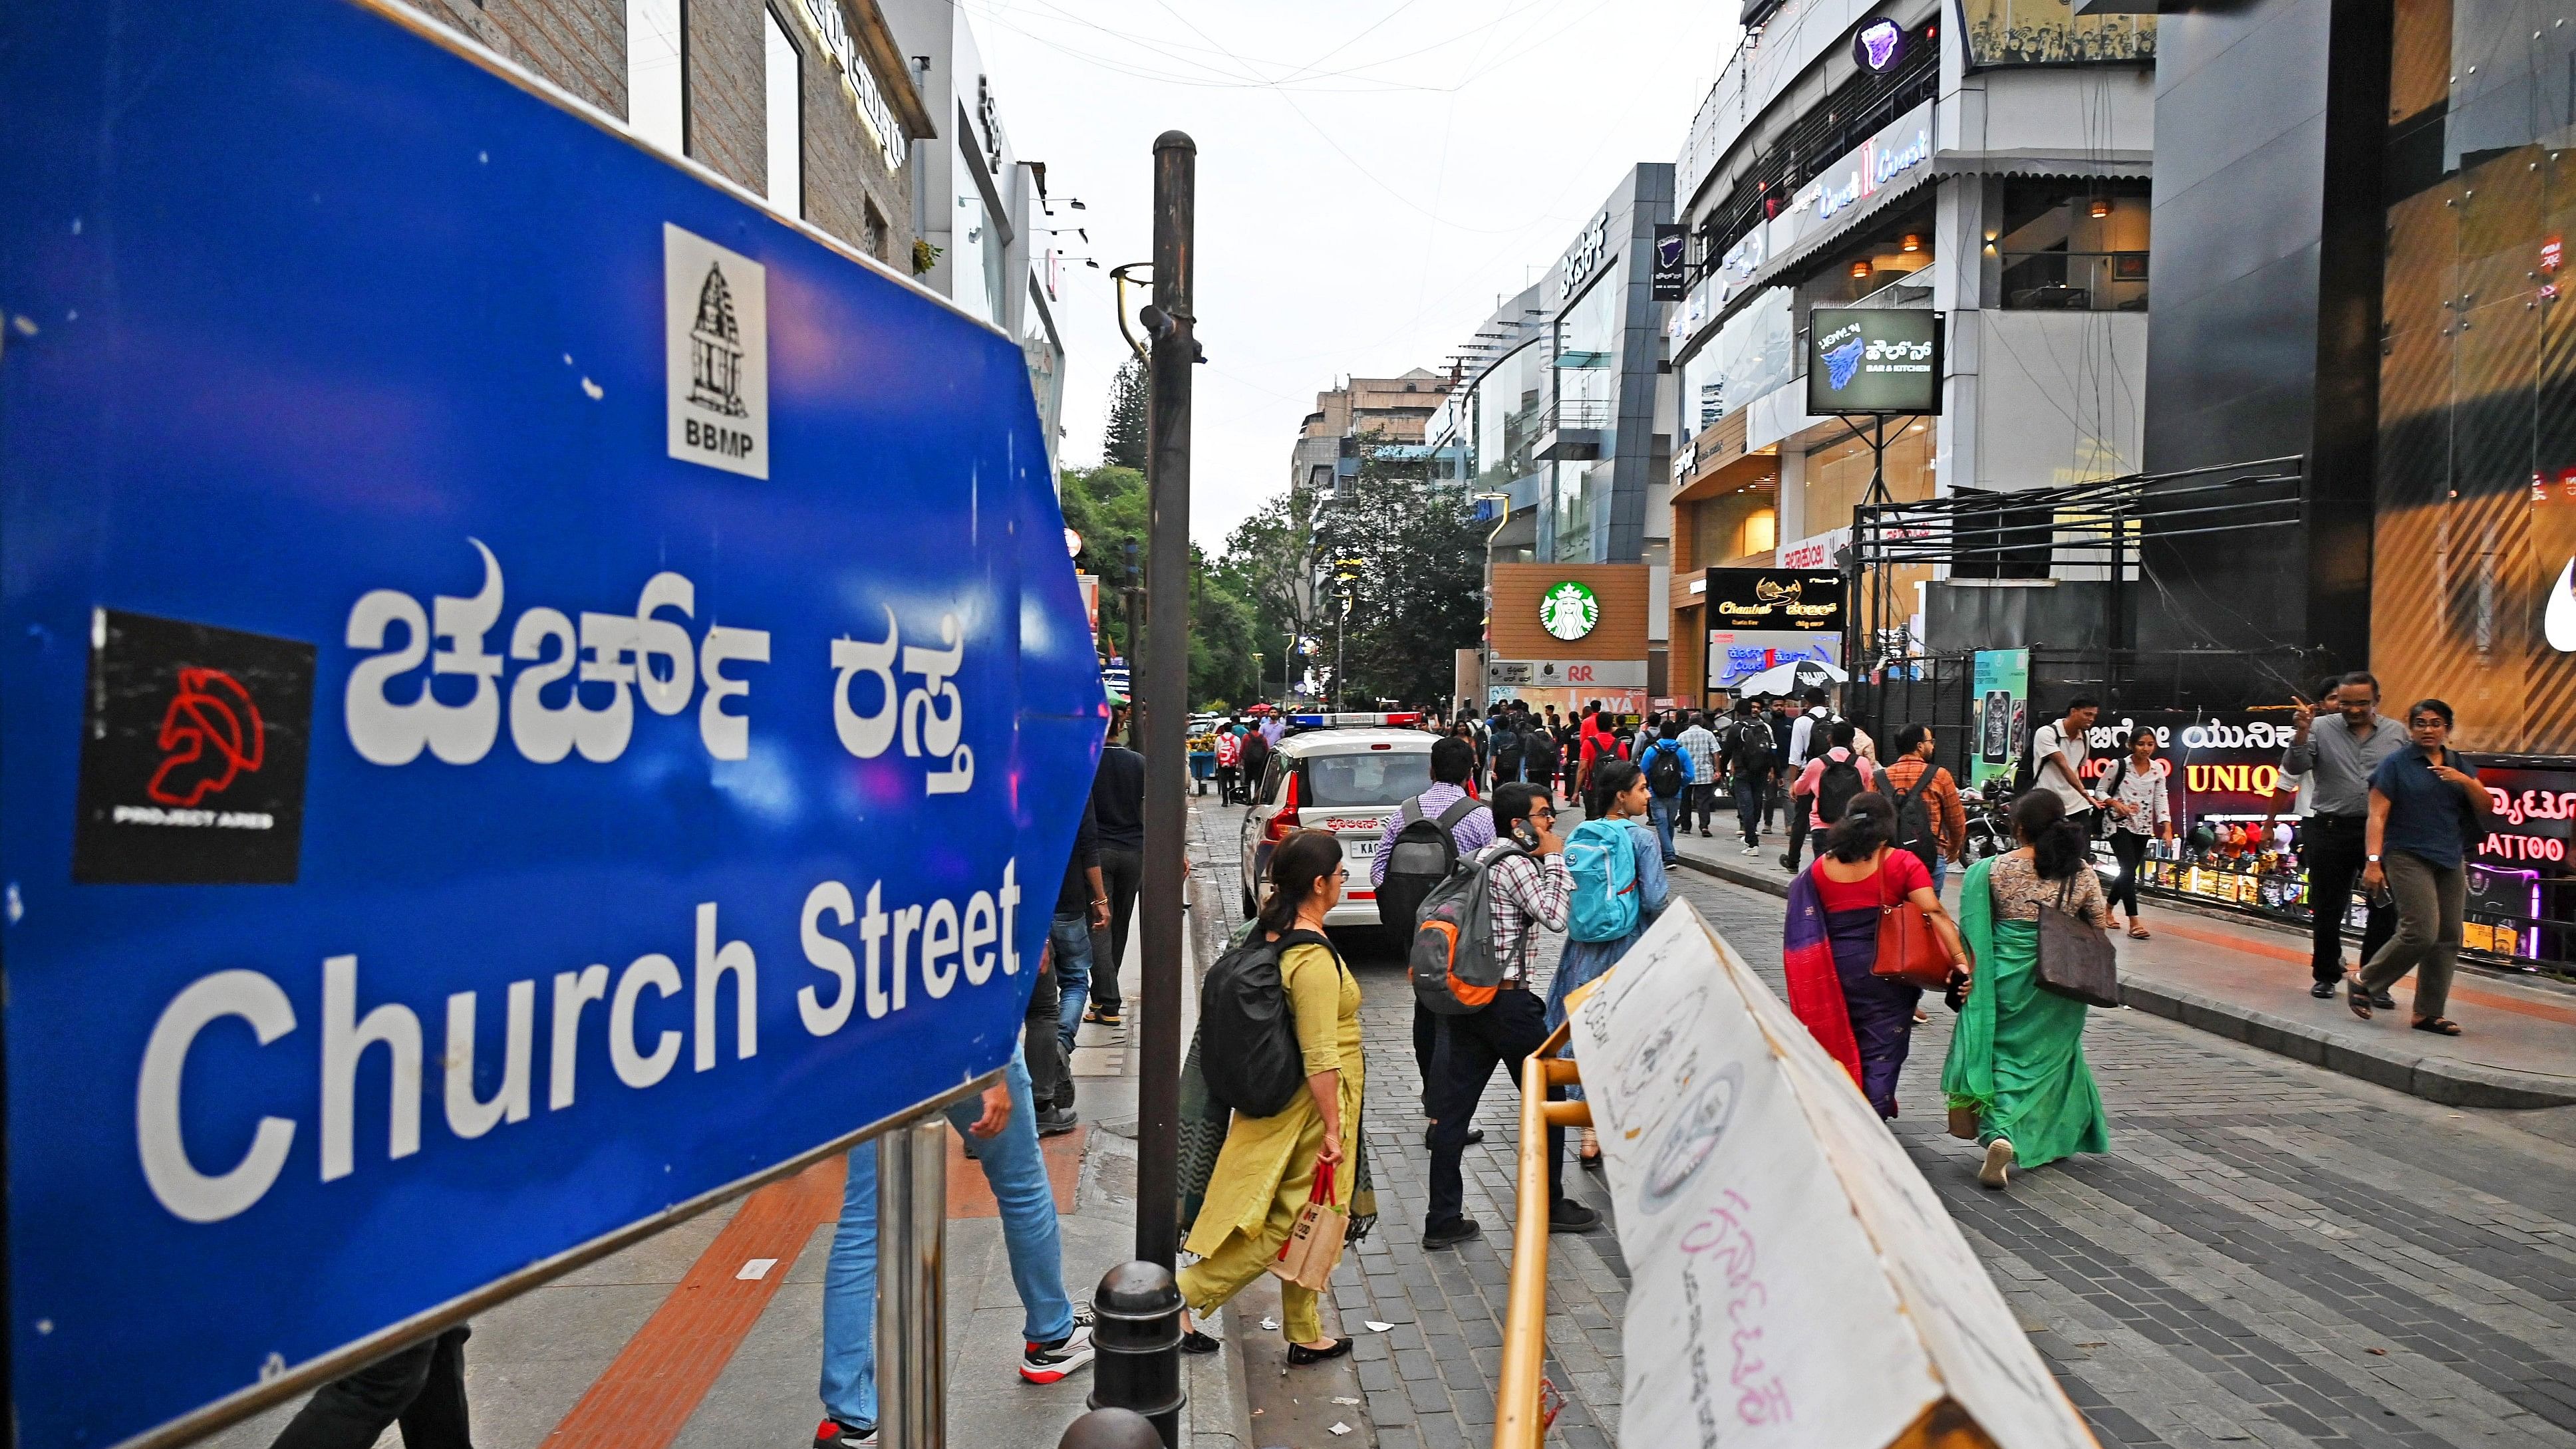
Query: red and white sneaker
point(833, 1434)
point(1046, 1363)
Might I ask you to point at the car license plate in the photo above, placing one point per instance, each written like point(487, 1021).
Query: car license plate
point(1353, 845)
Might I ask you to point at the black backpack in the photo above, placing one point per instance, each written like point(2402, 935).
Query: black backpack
point(1248, 1048)
point(1664, 769)
point(1420, 857)
point(1753, 749)
point(1836, 787)
point(1914, 821)
point(1507, 753)
point(1256, 755)
point(1539, 754)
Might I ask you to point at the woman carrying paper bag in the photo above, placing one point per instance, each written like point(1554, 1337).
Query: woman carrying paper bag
point(1267, 1175)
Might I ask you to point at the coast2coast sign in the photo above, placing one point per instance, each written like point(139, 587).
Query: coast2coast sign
point(508, 735)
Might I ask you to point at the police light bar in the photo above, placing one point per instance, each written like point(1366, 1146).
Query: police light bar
point(1327, 721)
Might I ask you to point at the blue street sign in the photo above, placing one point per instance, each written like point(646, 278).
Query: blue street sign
point(531, 691)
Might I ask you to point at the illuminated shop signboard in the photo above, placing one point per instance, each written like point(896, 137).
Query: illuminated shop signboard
point(1873, 360)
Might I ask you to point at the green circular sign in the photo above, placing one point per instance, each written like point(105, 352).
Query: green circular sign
point(1569, 610)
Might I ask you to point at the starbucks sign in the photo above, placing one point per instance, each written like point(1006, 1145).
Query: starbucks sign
point(1569, 610)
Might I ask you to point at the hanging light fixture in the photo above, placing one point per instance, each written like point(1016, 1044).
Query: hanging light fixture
point(2101, 207)
point(1912, 243)
point(1860, 270)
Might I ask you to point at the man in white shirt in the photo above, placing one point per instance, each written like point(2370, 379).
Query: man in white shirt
point(1807, 740)
point(2057, 753)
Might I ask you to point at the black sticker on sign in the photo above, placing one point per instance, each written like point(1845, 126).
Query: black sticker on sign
point(192, 755)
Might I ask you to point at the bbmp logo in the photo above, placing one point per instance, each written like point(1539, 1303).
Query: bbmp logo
point(716, 343)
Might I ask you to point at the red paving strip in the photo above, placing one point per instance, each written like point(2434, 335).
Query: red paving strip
point(646, 1395)
point(2540, 1010)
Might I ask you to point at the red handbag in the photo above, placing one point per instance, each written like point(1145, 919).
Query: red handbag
point(1908, 948)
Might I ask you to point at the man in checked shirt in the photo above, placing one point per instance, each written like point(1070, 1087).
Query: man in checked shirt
point(1530, 890)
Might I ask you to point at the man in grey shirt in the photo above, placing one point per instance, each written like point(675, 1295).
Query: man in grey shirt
point(2342, 750)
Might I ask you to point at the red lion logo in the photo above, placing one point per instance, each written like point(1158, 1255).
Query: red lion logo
point(211, 726)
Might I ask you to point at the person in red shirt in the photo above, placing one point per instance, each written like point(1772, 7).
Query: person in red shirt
point(1858, 873)
point(1597, 744)
point(1229, 755)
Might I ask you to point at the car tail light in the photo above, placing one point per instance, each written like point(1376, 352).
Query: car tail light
point(1286, 820)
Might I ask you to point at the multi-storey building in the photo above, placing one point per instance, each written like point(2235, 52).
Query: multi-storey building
point(1395, 410)
point(1877, 154)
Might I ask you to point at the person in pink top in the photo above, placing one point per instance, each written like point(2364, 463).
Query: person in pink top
point(1828, 782)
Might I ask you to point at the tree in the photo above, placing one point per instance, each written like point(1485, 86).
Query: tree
point(1418, 592)
point(1273, 562)
point(1108, 506)
point(1123, 445)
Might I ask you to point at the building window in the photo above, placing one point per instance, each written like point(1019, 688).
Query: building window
point(785, 88)
point(1761, 532)
point(657, 107)
point(2074, 246)
point(872, 224)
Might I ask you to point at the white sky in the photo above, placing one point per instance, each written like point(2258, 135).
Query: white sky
point(1372, 174)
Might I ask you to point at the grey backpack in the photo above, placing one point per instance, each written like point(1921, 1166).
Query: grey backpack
point(1420, 857)
point(1454, 969)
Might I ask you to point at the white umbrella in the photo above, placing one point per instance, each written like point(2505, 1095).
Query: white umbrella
point(1789, 678)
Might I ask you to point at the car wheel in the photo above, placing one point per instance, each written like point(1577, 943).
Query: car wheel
point(1251, 907)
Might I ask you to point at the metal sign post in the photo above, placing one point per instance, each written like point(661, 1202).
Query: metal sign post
point(912, 1257)
point(1165, 698)
point(604, 741)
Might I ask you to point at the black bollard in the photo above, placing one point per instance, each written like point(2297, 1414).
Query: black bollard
point(1138, 1344)
point(1110, 1429)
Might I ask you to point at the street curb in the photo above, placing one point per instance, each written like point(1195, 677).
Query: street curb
point(2453, 1084)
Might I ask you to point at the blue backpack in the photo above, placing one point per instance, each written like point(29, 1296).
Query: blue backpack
point(1601, 858)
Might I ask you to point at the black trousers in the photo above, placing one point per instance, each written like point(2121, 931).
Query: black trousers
point(1469, 1048)
point(1122, 871)
point(2334, 848)
point(1749, 797)
point(1042, 1040)
point(2130, 849)
point(1700, 800)
point(1798, 808)
point(1426, 1047)
point(422, 1387)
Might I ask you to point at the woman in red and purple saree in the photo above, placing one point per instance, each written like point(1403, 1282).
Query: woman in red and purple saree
point(1830, 945)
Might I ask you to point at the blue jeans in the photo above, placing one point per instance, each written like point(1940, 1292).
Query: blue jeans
point(1940, 872)
point(1072, 938)
point(1662, 811)
point(1017, 1173)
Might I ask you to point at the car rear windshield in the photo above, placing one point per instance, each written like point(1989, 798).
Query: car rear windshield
point(1379, 777)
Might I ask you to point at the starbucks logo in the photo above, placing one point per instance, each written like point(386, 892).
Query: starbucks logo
point(1569, 610)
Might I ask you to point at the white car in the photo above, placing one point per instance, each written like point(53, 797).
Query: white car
point(1345, 773)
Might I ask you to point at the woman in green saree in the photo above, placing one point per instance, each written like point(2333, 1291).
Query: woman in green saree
point(2017, 1057)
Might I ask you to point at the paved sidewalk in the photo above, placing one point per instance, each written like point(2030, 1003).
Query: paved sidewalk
point(2248, 980)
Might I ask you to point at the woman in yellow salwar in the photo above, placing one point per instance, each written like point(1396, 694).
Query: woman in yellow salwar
point(2017, 1055)
point(1266, 1169)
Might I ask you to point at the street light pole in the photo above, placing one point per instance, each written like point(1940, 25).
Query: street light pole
point(1173, 325)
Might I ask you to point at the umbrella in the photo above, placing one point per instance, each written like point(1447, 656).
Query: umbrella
point(1790, 678)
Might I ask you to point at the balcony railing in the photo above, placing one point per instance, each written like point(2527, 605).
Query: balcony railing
point(1575, 412)
point(2074, 281)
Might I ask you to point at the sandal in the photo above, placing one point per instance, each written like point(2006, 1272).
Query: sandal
point(2357, 999)
point(1588, 1161)
point(2438, 1025)
point(2140, 933)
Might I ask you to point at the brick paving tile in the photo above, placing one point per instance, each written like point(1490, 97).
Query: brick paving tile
point(2269, 1255)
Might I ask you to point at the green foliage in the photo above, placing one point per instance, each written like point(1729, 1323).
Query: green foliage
point(1108, 506)
point(1124, 444)
point(1416, 594)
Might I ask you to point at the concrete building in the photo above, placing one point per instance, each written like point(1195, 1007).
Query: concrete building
point(1397, 409)
point(1880, 154)
point(1564, 419)
point(982, 212)
point(806, 102)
